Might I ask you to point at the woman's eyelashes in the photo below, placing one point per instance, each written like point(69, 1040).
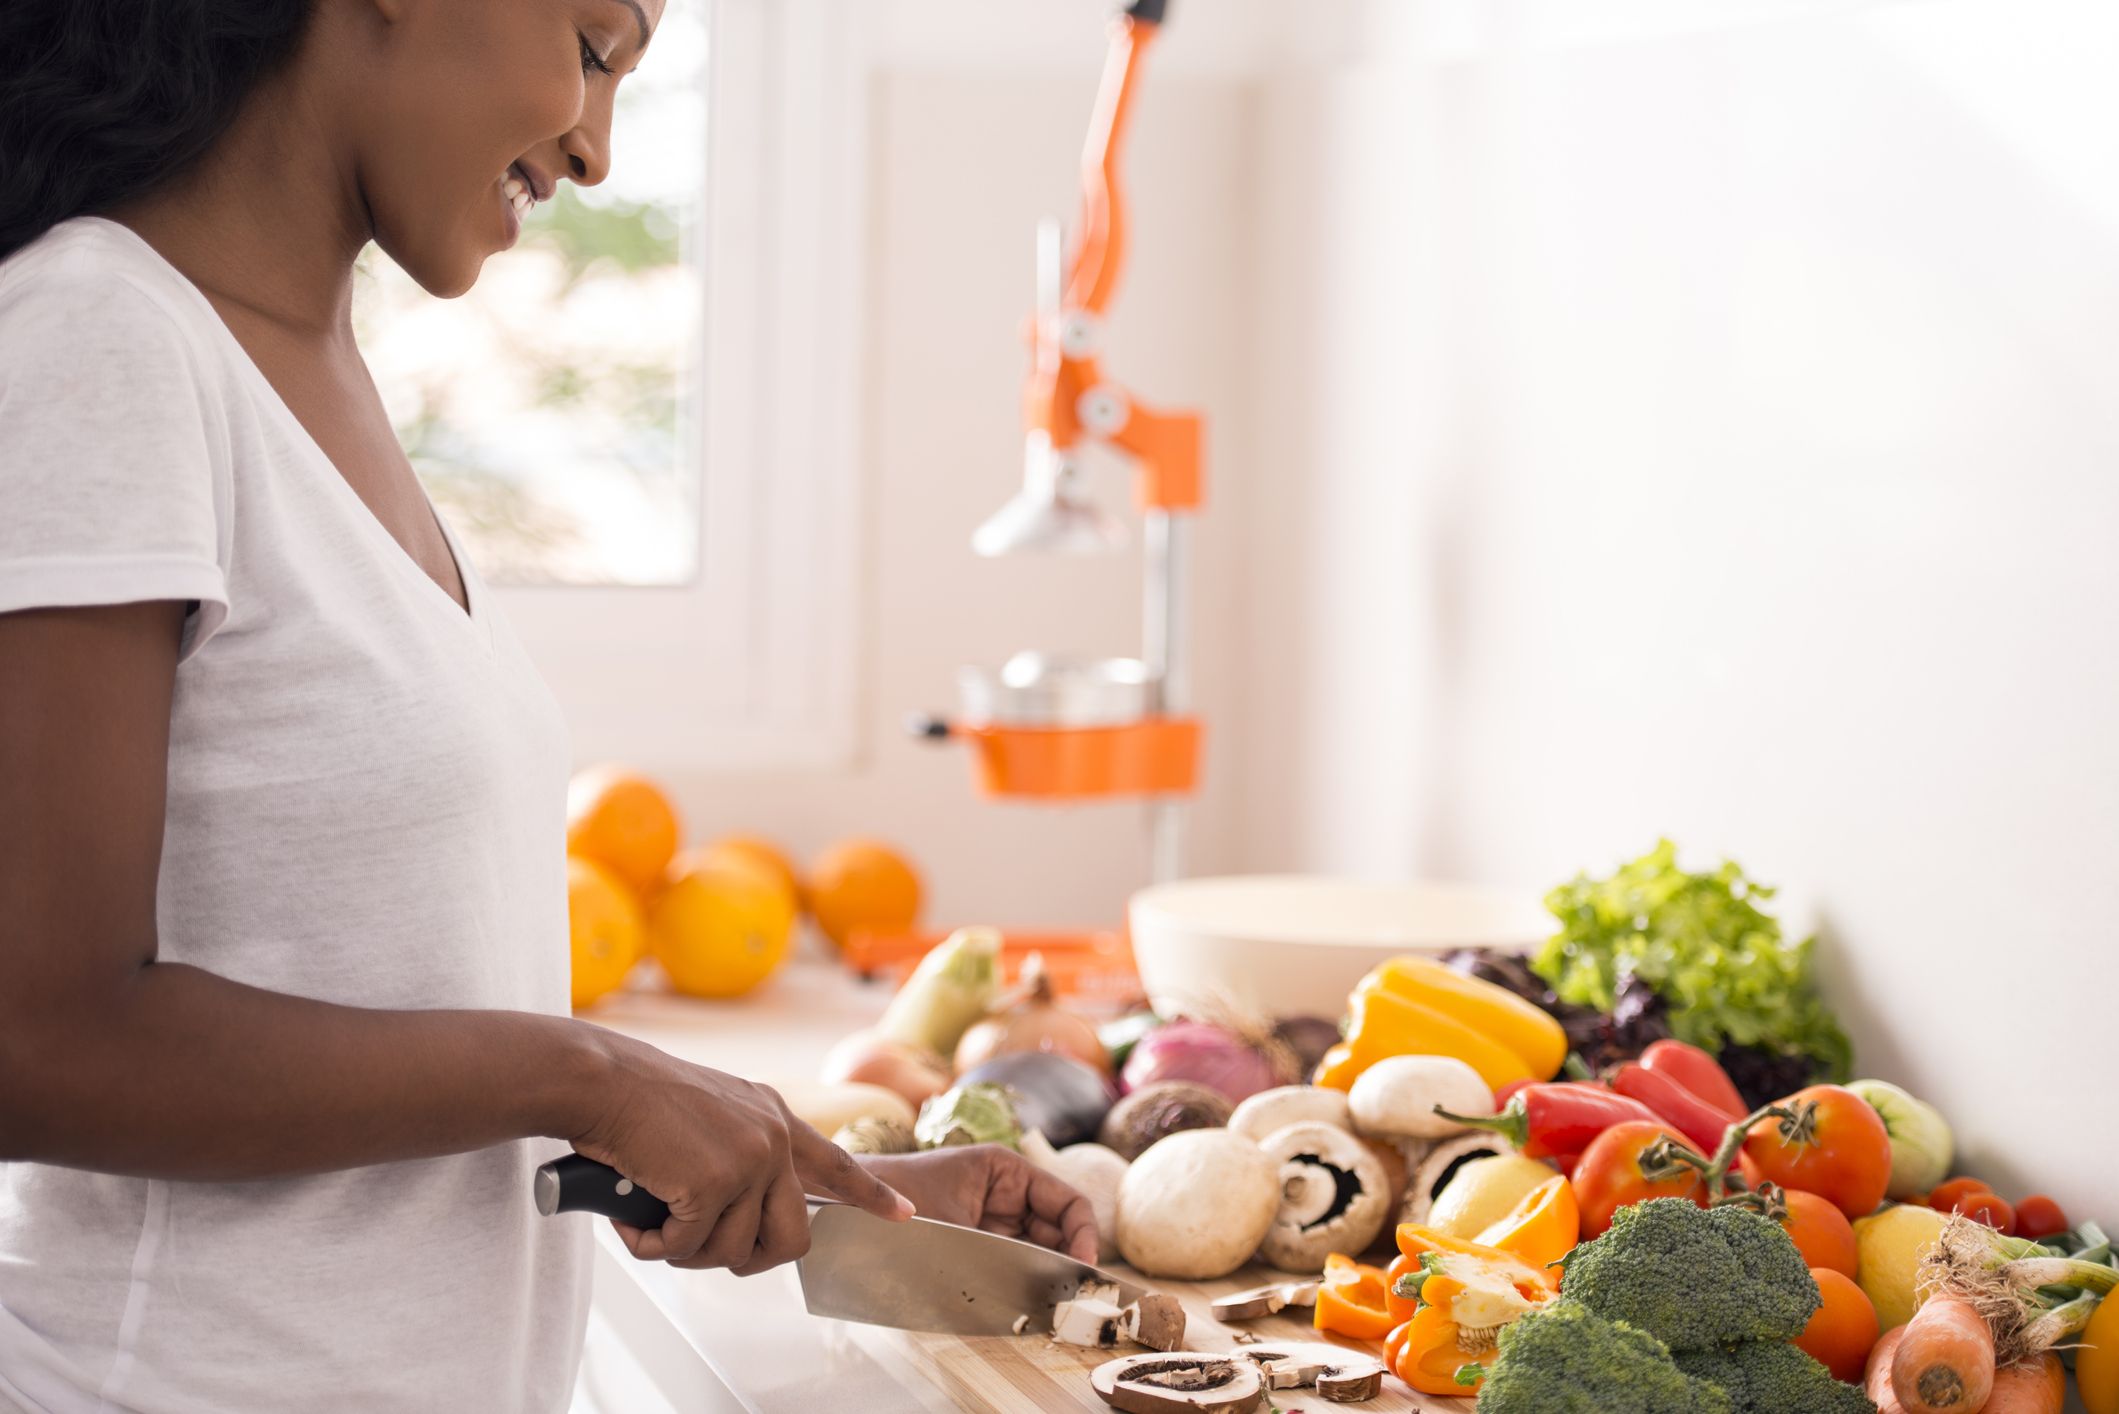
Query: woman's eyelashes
point(591, 61)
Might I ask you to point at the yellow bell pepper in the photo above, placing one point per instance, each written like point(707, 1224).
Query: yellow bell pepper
point(1542, 1228)
point(1385, 1023)
point(1494, 1012)
point(2097, 1360)
point(1351, 1300)
point(1464, 1294)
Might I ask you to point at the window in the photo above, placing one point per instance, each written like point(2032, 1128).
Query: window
point(546, 410)
point(678, 544)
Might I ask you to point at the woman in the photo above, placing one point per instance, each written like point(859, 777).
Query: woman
point(282, 902)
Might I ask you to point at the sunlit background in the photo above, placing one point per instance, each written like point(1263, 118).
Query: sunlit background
point(545, 409)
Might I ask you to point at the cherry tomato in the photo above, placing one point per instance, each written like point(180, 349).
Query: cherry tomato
point(1991, 1209)
point(1836, 1147)
point(2039, 1216)
point(1947, 1196)
point(1821, 1232)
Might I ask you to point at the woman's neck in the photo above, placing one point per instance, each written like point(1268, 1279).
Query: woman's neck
point(269, 220)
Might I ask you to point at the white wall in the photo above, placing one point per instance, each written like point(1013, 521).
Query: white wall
point(1736, 463)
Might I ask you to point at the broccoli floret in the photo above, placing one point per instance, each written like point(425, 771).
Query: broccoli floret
point(1769, 1377)
point(1564, 1359)
point(1695, 1277)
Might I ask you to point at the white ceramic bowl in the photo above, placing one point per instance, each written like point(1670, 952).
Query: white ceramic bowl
point(1294, 945)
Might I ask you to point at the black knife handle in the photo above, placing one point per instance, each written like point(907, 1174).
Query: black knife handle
point(578, 1184)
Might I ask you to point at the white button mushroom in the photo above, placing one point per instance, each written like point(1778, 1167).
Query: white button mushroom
point(1196, 1205)
point(1397, 1097)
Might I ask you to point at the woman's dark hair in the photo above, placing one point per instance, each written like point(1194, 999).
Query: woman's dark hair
point(101, 101)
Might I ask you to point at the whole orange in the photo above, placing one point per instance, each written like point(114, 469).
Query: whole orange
point(1840, 1335)
point(603, 923)
point(624, 822)
point(719, 927)
point(863, 885)
point(1821, 1232)
point(763, 854)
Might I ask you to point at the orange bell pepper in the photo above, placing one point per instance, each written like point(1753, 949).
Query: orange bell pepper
point(1542, 1228)
point(1351, 1300)
point(1452, 1298)
point(1385, 1023)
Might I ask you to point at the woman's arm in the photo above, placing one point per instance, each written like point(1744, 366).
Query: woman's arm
point(111, 1060)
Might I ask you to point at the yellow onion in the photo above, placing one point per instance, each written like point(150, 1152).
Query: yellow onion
point(1030, 1020)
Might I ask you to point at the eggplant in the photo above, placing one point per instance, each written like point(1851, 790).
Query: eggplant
point(1053, 1093)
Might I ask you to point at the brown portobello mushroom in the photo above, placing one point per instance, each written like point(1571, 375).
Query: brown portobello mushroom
point(1334, 1196)
point(1342, 1376)
point(1182, 1382)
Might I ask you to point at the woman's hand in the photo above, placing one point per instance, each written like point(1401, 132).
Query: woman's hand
point(987, 1186)
point(728, 1158)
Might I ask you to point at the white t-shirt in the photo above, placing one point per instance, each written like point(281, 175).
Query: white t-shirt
point(366, 798)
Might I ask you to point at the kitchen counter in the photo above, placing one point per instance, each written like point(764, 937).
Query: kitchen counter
point(717, 1342)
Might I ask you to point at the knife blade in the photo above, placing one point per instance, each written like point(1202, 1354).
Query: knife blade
point(922, 1275)
point(916, 1275)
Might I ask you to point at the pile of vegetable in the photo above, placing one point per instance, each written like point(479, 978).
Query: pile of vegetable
point(1620, 1175)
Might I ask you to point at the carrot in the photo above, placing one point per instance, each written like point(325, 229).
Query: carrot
point(1945, 1362)
point(2034, 1386)
point(1877, 1382)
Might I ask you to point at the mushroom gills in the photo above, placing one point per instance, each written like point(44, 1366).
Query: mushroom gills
point(1346, 1187)
point(1178, 1382)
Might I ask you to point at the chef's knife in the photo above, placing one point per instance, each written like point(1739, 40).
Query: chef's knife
point(917, 1275)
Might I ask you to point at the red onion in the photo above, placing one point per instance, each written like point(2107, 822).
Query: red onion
point(1202, 1053)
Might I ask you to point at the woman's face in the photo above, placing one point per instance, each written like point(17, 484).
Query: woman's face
point(472, 111)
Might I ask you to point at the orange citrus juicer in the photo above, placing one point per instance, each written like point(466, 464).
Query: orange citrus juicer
point(1053, 730)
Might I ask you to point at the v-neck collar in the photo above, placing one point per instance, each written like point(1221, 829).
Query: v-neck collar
point(472, 612)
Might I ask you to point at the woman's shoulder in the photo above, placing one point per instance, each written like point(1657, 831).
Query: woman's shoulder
point(91, 284)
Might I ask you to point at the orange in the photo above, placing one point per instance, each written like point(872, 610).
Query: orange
point(1821, 1232)
point(1840, 1334)
point(624, 822)
point(762, 853)
point(863, 885)
point(604, 924)
point(719, 927)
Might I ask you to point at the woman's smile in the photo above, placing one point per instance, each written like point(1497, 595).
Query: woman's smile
point(521, 188)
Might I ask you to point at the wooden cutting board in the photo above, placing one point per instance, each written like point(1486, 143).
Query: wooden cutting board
point(1010, 1373)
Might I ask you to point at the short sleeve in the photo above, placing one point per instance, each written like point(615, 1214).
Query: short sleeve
point(113, 451)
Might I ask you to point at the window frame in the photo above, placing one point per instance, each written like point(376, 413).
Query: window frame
point(752, 665)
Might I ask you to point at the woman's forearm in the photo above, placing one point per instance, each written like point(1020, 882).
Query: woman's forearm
point(182, 1074)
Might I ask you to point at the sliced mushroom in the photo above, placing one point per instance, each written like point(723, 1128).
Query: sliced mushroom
point(1086, 1320)
point(1156, 1321)
point(1262, 1301)
point(1178, 1383)
point(1342, 1376)
point(1334, 1196)
point(1269, 1111)
point(1440, 1165)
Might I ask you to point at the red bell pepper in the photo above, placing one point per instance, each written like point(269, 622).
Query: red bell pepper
point(1698, 1072)
point(1559, 1117)
point(1698, 1119)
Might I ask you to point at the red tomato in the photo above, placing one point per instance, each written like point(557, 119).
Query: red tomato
point(2039, 1216)
point(1836, 1147)
point(1947, 1196)
point(1608, 1176)
point(1991, 1209)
